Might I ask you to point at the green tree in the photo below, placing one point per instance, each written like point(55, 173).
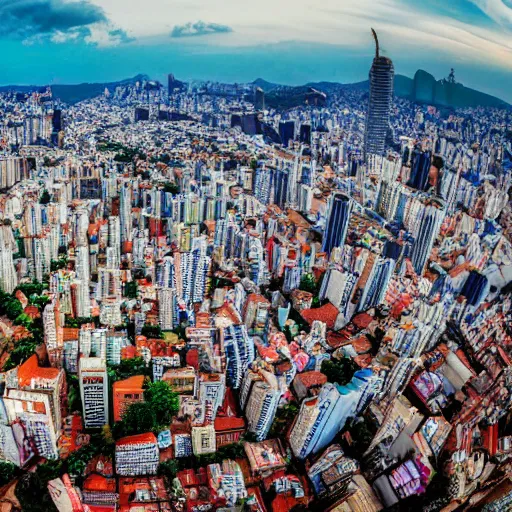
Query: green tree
point(23, 319)
point(23, 349)
point(163, 400)
point(8, 471)
point(32, 489)
point(284, 417)
point(58, 264)
point(173, 188)
point(45, 197)
point(131, 289)
point(13, 308)
point(35, 287)
point(169, 469)
point(308, 283)
point(39, 300)
point(339, 371)
point(152, 331)
point(128, 368)
point(137, 419)
point(77, 461)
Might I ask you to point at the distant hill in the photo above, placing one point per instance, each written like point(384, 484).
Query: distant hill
point(426, 89)
point(74, 93)
point(263, 84)
point(423, 88)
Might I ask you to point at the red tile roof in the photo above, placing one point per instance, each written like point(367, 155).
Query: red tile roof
point(131, 383)
point(228, 423)
point(30, 369)
point(137, 439)
point(327, 314)
point(312, 378)
point(96, 482)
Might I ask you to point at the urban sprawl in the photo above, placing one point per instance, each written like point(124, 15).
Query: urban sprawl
point(212, 304)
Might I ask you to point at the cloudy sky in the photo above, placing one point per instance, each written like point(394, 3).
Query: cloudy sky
point(288, 41)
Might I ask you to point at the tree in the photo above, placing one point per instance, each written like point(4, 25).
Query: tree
point(168, 469)
point(8, 471)
point(23, 319)
point(128, 368)
point(163, 400)
point(23, 349)
point(308, 283)
point(39, 300)
point(339, 371)
point(32, 489)
point(58, 264)
point(131, 289)
point(173, 188)
point(152, 331)
point(285, 415)
point(35, 287)
point(45, 197)
point(13, 308)
point(77, 461)
point(137, 419)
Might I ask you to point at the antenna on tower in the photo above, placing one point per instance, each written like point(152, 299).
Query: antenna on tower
point(376, 43)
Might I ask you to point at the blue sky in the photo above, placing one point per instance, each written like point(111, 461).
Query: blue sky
point(287, 41)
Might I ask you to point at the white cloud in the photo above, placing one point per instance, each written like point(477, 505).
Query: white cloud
point(497, 10)
point(341, 22)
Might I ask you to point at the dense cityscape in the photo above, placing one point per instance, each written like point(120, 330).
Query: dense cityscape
point(256, 298)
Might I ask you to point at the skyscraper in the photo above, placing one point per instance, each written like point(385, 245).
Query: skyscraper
point(259, 99)
point(94, 391)
point(336, 226)
point(286, 131)
point(379, 103)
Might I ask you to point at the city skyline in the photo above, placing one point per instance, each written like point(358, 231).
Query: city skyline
point(64, 41)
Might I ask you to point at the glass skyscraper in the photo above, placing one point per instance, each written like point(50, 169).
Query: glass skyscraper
point(379, 103)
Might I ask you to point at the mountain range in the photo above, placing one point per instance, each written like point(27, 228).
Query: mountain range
point(423, 88)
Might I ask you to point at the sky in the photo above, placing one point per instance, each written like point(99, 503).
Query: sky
point(284, 41)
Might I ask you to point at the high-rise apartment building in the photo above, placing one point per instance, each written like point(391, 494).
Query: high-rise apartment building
point(379, 103)
point(94, 391)
point(287, 131)
point(336, 227)
point(166, 303)
point(262, 392)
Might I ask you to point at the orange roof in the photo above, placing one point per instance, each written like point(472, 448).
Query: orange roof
point(131, 383)
point(129, 485)
point(70, 333)
point(30, 369)
point(283, 503)
point(146, 438)
point(312, 378)
point(256, 297)
point(187, 477)
point(327, 313)
point(228, 423)
point(96, 482)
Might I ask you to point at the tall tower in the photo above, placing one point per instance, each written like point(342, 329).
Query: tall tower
point(338, 217)
point(381, 77)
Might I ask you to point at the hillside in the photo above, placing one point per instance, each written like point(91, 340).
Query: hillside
point(426, 89)
point(73, 93)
